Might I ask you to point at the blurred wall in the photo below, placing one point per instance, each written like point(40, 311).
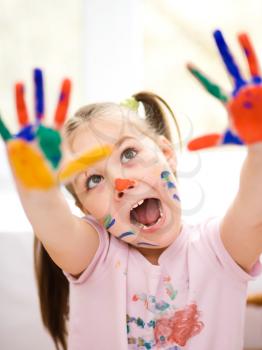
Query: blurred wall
point(47, 34)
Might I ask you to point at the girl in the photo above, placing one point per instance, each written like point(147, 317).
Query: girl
point(136, 275)
point(139, 278)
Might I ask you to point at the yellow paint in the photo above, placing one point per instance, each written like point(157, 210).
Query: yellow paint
point(85, 160)
point(29, 166)
point(117, 264)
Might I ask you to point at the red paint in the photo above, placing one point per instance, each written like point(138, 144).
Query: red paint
point(248, 48)
point(245, 111)
point(63, 103)
point(123, 184)
point(178, 329)
point(135, 297)
point(204, 142)
point(22, 113)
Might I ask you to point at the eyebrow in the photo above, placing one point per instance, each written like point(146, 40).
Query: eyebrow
point(122, 140)
point(118, 144)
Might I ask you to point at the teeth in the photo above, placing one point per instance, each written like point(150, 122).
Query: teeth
point(137, 204)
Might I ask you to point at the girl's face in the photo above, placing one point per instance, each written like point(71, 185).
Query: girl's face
point(133, 192)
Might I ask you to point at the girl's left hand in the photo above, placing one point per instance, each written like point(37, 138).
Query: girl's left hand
point(244, 104)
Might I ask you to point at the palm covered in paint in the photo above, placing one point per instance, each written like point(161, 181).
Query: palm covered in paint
point(35, 151)
point(244, 104)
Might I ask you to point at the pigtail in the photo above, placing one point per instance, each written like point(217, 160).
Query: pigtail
point(53, 291)
point(156, 116)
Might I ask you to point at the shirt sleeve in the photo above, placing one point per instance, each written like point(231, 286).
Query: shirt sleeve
point(98, 262)
point(210, 232)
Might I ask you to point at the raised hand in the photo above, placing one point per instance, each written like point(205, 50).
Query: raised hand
point(35, 151)
point(244, 103)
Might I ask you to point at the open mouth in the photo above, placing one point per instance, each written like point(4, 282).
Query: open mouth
point(146, 213)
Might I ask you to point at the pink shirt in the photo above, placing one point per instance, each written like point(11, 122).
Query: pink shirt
point(193, 300)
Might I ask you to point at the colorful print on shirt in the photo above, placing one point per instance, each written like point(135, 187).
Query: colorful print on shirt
point(170, 328)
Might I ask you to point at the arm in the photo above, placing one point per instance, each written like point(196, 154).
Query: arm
point(70, 241)
point(241, 227)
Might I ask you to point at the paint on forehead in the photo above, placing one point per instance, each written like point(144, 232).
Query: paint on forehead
point(125, 234)
point(85, 160)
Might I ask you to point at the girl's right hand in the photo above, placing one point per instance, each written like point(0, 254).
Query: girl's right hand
point(35, 151)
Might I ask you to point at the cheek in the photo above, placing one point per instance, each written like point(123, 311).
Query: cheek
point(97, 203)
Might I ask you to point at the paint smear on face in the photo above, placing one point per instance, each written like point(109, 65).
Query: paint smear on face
point(147, 244)
point(125, 234)
point(109, 221)
point(165, 176)
point(85, 160)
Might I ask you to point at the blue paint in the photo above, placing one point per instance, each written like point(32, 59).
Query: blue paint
point(39, 93)
point(230, 138)
point(229, 61)
point(128, 233)
point(145, 243)
point(257, 80)
point(27, 133)
point(171, 184)
point(110, 224)
point(152, 324)
point(165, 174)
point(175, 196)
point(61, 97)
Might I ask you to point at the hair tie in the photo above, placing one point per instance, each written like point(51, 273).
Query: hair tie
point(135, 106)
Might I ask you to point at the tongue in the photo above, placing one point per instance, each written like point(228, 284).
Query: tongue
point(148, 212)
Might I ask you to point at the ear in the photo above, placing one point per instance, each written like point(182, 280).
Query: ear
point(168, 150)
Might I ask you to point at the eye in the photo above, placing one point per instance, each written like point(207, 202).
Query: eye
point(128, 154)
point(93, 181)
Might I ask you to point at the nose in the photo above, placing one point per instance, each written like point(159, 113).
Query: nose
point(122, 185)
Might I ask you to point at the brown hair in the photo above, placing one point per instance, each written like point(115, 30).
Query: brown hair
point(53, 287)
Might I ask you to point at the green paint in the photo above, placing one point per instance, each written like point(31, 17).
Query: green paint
point(131, 103)
point(49, 141)
point(107, 220)
point(4, 132)
point(212, 88)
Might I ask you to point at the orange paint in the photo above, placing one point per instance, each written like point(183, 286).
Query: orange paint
point(123, 184)
point(247, 46)
point(22, 113)
point(245, 111)
point(204, 142)
point(62, 106)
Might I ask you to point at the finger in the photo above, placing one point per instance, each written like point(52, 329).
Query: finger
point(4, 132)
point(29, 166)
point(228, 60)
point(251, 56)
point(39, 94)
point(205, 141)
point(82, 162)
point(63, 102)
point(21, 109)
point(212, 88)
point(49, 141)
